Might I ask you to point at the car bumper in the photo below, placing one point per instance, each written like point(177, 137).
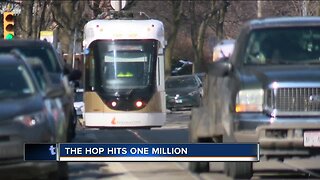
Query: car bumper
point(183, 102)
point(276, 136)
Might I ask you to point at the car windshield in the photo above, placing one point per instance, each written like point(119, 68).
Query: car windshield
point(15, 83)
point(47, 56)
point(289, 45)
point(181, 82)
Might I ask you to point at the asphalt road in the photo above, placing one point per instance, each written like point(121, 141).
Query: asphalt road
point(174, 131)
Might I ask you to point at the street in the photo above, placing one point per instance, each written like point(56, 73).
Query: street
point(175, 131)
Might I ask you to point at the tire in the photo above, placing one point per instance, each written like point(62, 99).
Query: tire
point(199, 167)
point(72, 126)
point(226, 169)
point(239, 170)
point(62, 172)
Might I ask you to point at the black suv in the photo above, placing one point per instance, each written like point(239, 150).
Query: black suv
point(267, 92)
point(58, 72)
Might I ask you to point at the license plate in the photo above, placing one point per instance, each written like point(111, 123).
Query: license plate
point(178, 100)
point(311, 139)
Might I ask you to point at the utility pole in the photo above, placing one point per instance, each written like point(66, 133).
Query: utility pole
point(75, 35)
point(259, 8)
point(305, 7)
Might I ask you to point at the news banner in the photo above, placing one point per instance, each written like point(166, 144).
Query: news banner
point(141, 152)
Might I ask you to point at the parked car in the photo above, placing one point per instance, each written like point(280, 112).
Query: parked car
point(182, 67)
point(53, 99)
point(78, 102)
point(268, 92)
point(59, 74)
point(25, 118)
point(183, 92)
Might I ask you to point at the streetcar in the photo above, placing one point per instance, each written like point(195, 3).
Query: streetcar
point(124, 73)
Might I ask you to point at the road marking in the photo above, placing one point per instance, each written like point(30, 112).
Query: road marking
point(304, 170)
point(184, 166)
point(138, 135)
point(172, 126)
point(118, 168)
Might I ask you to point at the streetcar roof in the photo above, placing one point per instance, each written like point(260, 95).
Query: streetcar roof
point(123, 29)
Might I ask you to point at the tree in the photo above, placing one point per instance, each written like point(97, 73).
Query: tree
point(37, 12)
point(25, 18)
point(202, 14)
point(70, 18)
point(171, 13)
point(177, 12)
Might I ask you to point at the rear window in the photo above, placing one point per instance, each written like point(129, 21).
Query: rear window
point(46, 55)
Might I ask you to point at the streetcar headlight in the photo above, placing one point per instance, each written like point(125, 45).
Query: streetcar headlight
point(249, 100)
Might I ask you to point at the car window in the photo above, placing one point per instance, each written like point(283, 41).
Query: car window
point(40, 76)
point(181, 82)
point(15, 82)
point(292, 45)
point(46, 55)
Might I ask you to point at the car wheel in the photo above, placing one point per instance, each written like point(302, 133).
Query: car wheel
point(226, 169)
point(199, 167)
point(72, 126)
point(62, 172)
point(241, 170)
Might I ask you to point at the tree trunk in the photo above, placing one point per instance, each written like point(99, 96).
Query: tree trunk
point(67, 14)
point(198, 64)
point(177, 13)
point(25, 18)
point(220, 22)
point(198, 32)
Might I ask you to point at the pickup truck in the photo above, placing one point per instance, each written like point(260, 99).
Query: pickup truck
point(267, 92)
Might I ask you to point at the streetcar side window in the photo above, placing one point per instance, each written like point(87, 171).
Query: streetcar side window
point(90, 76)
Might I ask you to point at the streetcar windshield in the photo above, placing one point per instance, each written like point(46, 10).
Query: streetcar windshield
point(124, 64)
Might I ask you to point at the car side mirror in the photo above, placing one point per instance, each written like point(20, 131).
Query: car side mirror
point(219, 68)
point(224, 58)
